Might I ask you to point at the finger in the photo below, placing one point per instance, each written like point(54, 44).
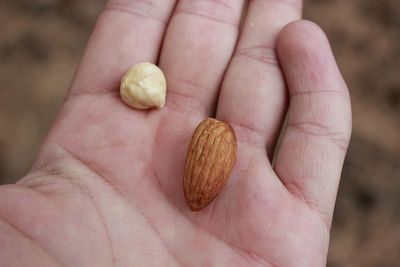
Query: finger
point(314, 144)
point(253, 94)
point(127, 32)
point(198, 46)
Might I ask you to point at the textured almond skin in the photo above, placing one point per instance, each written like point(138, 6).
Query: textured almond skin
point(209, 162)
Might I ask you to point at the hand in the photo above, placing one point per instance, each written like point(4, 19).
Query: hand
point(106, 188)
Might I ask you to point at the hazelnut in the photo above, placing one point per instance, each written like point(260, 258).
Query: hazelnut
point(144, 86)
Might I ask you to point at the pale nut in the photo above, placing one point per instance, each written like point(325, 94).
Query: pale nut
point(144, 86)
point(209, 161)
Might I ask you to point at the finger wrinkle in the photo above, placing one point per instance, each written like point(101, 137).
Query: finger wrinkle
point(265, 54)
point(249, 134)
point(318, 130)
point(142, 9)
point(209, 16)
point(293, 4)
point(322, 91)
point(185, 103)
point(211, 10)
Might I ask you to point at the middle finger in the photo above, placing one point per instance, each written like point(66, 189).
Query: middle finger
point(198, 45)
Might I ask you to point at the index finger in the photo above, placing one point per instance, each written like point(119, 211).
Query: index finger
point(127, 32)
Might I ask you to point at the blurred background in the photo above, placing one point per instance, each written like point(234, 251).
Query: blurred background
point(41, 42)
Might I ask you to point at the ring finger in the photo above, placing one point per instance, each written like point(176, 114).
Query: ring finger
point(253, 95)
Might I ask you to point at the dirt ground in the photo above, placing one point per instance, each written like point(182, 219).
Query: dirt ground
point(41, 42)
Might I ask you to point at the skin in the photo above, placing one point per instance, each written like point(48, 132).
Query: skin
point(106, 187)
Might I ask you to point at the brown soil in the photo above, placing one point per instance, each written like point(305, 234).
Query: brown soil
point(41, 42)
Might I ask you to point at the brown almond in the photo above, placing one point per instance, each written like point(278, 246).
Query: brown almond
point(209, 162)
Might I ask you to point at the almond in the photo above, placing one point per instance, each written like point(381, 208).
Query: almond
point(209, 162)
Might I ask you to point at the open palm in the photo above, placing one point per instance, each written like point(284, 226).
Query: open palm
point(107, 186)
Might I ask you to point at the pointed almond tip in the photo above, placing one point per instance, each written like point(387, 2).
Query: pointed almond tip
point(193, 208)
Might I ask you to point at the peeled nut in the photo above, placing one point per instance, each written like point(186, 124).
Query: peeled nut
point(144, 86)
